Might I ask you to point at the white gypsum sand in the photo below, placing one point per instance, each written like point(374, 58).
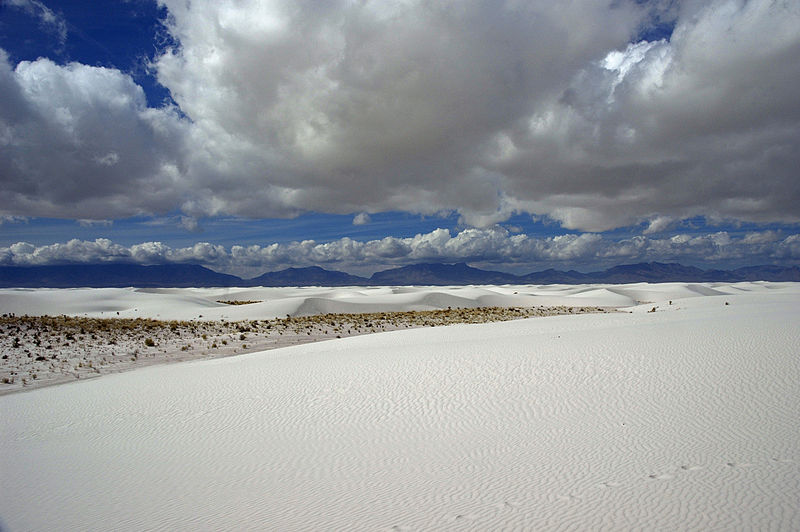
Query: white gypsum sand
point(92, 332)
point(206, 304)
point(682, 418)
point(41, 351)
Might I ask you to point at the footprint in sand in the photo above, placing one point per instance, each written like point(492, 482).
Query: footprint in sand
point(505, 505)
point(463, 517)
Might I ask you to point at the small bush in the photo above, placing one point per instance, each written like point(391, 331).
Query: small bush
point(149, 342)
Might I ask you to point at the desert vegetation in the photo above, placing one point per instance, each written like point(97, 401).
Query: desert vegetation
point(39, 350)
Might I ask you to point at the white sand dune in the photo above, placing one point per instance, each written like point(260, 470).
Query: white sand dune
point(203, 303)
point(684, 418)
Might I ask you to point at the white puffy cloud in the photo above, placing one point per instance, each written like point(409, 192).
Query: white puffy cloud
point(370, 106)
point(658, 224)
point(493, 248)
point(78, 251)
point(763, 237)
point(80, 142)
point(362, 218)
point(702, 124)
point(485, 108)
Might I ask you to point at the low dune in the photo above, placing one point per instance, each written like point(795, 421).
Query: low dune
point(213, 304)
point(680, 412)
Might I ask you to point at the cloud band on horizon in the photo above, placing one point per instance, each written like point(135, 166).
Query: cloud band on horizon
point(495, 246)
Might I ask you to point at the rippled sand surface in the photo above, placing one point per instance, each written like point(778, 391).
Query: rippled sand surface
point(669, 416)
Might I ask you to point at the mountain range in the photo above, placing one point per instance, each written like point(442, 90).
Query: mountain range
point(189, 275)
point(113, 275)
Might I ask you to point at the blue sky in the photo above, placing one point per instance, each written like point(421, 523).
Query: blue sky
point(252, 136)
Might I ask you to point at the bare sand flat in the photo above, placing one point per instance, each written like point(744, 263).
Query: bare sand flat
point(670, 416)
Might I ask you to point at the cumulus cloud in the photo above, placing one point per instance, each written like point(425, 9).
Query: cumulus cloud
point(74, 251)
point(495, 247)
point(361, 219)
point(702, 124)
point(80, 142)
point(484, 108)
point(658, 224)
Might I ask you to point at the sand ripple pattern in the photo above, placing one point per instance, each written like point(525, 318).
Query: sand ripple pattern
point(681, 419)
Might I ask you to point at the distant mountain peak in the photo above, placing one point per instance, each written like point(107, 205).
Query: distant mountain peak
point(439, 274)
point(305, 276)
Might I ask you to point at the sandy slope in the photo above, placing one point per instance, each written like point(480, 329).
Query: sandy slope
point(683, 418)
